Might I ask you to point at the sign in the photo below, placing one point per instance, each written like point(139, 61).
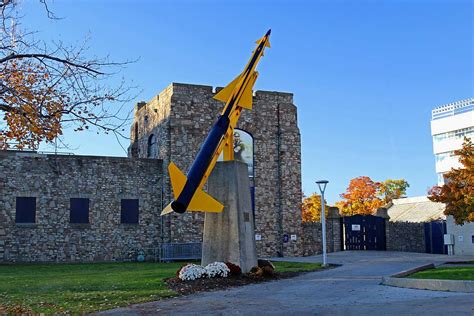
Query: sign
point(258, 237)
point(286, 238)
point(448, 239)
point(293, 237)
point(355, 227)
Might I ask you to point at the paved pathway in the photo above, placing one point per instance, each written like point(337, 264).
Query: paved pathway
point(352, 289)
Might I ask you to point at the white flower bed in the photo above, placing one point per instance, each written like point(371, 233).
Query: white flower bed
point(217, 269)
point(192, 272)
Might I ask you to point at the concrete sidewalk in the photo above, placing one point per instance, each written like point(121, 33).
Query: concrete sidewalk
point(352, 289)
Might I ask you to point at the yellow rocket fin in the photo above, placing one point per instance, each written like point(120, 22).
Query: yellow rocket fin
point(203, 202)
point(246, 98)
point(267, 44)
point(178, 179)
point(225, 93)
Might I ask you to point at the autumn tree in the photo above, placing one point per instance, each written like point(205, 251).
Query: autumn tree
point(392, 189)
point(45, 87)
point(458, 191)
point(311, 208)
point(361, 197)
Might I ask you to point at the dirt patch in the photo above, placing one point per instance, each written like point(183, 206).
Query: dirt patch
point(204, 285)
point(15, 310)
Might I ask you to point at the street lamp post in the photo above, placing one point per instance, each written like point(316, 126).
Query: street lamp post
point(322, 186)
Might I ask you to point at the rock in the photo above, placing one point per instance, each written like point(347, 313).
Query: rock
point(265, 263)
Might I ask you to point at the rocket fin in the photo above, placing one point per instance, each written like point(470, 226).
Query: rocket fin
point(267, 44)
point(225, 93)
point(203, 202)
point(178, 179)
point(247, 97)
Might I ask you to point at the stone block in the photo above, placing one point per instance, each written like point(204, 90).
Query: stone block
point(230, 235)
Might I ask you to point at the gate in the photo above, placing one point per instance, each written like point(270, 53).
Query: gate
point(434, 237)
point(364, 232)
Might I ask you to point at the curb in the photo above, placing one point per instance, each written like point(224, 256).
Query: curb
point(414, 270)
point(397, 280)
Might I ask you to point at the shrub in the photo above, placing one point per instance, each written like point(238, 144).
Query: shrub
point(217, 269)
point(268, 271)
point(234, 269)
point(191, 272)
point(256, 271)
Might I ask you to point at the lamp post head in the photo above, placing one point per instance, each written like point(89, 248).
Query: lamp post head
point(322, 185)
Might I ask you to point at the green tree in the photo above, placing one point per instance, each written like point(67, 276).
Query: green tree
point(392, 189)
point(458, 191)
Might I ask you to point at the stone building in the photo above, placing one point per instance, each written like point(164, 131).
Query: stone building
point(57, 208)
point(173, 125)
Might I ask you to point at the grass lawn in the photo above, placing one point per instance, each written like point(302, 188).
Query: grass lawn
point(447, 273)
point(79, 288)
point(281, 266)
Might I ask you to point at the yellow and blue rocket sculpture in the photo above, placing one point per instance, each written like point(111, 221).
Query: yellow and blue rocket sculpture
point(187, 190)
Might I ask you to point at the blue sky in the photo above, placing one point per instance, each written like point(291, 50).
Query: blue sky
point(365, 74)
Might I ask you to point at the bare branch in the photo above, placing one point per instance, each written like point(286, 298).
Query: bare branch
point(44, 56)
point(45, 87)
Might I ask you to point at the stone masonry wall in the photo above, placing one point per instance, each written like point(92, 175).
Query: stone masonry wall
point(312, 234)
point(405, 236)
point(53, 180)
point(180, 118)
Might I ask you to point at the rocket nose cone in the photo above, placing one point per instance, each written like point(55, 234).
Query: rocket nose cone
point(268, 33)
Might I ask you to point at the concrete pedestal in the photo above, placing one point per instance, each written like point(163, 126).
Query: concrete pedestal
point(230, 235)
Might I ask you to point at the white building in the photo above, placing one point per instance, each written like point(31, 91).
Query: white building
point(450, 123)
point(463, 236)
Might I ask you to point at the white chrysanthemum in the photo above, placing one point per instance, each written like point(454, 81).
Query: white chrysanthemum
point(217, 269)
point(192, 272)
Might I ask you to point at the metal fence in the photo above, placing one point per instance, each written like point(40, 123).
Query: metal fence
point(180, 251)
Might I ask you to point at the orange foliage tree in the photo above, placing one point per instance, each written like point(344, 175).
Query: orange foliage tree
point(361, 197)
point(45, 87)
point(311, 208)
point(458, 191)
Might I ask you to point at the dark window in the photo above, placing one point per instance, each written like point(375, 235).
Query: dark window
point(79, 211)
point(129, 211)
point(25, 210)
point(151, 146)
point(136, 132)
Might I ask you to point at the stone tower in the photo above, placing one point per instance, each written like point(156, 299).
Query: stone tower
point(173, 125)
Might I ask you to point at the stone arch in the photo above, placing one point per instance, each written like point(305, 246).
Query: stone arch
point(247, 138)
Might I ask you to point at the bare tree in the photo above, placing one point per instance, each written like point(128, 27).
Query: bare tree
point(45, 87)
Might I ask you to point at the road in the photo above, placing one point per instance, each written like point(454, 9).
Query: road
point(351, 289)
